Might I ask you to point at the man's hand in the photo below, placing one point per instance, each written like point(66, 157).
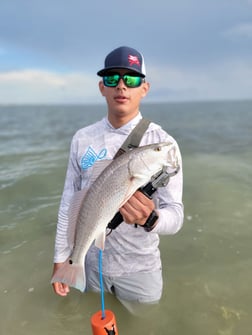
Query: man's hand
point(59, 288)
point(137, 209)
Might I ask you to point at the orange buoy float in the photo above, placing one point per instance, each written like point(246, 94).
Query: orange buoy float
point(104, 325)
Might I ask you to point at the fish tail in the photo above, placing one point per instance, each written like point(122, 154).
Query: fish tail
point(72, 275)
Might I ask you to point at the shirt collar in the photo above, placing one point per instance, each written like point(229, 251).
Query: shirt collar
point(126, 128)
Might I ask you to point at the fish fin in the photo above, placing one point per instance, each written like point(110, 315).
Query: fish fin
point(71, 274)
point(98, 167)
point(100, 240)
point(73, 212)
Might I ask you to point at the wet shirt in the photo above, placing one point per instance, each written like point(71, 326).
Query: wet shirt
point(127, 249)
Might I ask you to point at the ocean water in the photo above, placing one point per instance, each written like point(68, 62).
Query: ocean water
point(207, 266)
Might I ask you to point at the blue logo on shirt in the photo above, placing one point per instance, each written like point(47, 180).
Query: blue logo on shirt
point(90, 157)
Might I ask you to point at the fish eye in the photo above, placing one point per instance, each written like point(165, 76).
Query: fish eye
point(158, 148)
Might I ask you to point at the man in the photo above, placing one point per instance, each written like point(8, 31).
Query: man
point(131, 258)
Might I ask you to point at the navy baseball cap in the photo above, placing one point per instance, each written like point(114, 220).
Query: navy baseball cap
point(124, 58)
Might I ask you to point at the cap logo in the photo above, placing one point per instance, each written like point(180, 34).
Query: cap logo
point(133, 60)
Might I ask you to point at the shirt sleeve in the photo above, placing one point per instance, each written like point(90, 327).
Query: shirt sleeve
point(72, 184)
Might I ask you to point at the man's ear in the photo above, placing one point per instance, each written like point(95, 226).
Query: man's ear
point(146, 88)
point(101, 87)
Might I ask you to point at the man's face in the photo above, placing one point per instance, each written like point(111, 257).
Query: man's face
point(123, 100)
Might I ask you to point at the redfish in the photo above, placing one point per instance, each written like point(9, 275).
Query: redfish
point(91, 211)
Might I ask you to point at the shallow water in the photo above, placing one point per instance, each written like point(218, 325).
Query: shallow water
point(206, 266)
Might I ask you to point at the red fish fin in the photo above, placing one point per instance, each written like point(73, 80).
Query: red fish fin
point(72, 275)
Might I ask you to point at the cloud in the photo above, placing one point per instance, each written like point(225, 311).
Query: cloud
point(32, 76)
point(225, 80)
point(55, 34)
point(240, 30)
point(37, 86)
point(228, 80)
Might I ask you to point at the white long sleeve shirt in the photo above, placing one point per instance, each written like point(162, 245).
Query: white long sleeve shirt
point(127, 249)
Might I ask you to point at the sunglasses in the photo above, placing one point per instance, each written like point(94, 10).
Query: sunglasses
point(130, 80)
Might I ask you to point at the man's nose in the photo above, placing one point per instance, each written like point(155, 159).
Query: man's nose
point(121, 84)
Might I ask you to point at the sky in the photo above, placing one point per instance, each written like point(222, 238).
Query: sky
point(194, 50)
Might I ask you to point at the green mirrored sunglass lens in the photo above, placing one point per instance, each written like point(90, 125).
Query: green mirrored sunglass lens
point(111, 80)
point(130, 81)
